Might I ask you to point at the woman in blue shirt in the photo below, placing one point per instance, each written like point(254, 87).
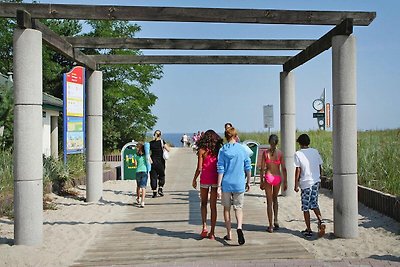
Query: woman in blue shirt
point(233, 167)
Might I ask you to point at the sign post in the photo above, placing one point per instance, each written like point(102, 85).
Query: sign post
point(269, 117)
point(74, 112)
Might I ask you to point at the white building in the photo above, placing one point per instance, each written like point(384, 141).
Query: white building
point(52, 106)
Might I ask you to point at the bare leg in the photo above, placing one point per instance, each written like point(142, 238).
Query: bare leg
point(239, 218)
point(227, 218)
point(137, 194)
point(321, 225)
point(268, 194)
point(204, 200)
point(307, 219)
point(213, 208)
point(143, 194)
point(275, 204)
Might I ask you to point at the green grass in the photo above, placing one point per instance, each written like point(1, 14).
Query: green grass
point(378, 156)
point(56, 177)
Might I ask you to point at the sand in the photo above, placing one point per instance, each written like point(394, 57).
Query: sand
point(73, 225)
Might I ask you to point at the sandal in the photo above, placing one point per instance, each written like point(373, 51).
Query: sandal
point(270, 229)
point(321, 228)
point(204, 233)
point(211, 236)
point(276, 226)
point(241, 240)
point(307, 233)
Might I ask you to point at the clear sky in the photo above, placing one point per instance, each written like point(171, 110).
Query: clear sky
point(201, 97)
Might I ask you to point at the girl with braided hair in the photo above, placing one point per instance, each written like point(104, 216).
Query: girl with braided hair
point(207, 156)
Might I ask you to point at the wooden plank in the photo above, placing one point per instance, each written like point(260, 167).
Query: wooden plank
point(322, 44)
point(187, 44)
point(61, 45)
point(24, 20)
point(125, 59)
point(183, 14)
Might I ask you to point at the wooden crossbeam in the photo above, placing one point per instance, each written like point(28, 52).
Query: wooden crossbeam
point(187, 44)
point(131, 59)
point(183, 14)
point(322, 44)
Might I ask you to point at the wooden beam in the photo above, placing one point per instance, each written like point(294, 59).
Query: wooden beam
point(239, 60)
point(322, 44)
point(184, 14)
point(187, 44)
point(24, 19)
point(61, 45)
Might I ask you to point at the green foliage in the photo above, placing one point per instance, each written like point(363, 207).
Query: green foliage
point(55, 173)
point(6, 116)
point(378, 156)
point(6, 183)
point(55, 64)
point(127, 99)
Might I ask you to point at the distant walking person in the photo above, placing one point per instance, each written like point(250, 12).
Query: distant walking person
point(141, 174)
point(208, 147)
point(273, 166)
point(308, 163)
point(184, 140)
point(157, 173)
point(233, 167)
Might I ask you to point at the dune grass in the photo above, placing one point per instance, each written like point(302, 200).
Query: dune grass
point(378, 156)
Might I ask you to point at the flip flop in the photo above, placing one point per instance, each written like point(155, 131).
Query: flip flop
point(321, 230)
point(270, 229)
point(276, 226)
point(241, 240)
point(227, 238)
point(204, 233)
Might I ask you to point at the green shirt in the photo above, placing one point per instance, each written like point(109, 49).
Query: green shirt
point(141, 163)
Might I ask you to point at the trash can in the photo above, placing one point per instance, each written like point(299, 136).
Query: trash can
point(128, 161)
point(254, 147)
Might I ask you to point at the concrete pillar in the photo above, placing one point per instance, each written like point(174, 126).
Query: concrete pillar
point(344, 136)
point(94, 137)
point(54, 137)
point(288, 126)
point(28, 161)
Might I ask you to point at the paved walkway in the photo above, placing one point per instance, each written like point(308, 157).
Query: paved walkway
point(166, 233)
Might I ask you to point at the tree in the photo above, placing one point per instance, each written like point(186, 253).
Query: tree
point(127, 99)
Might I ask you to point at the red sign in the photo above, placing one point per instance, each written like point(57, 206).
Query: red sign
point(328, 115)
point(75, 75)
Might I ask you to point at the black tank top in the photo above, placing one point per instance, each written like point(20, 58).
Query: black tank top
point(156, 150)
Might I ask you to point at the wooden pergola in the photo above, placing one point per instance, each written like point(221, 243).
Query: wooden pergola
point(30, 32)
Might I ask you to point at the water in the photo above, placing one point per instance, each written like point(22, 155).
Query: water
point(174, 138)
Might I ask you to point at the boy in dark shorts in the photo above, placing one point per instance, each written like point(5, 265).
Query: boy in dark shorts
point(308, 163)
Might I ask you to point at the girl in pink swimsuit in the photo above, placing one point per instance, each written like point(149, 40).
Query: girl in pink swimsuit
point(207, 153)
point(273, 167)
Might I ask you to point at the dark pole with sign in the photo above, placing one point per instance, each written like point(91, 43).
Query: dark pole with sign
point(319, 105)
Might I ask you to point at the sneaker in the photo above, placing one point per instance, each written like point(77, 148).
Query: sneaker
point(154, 194)
point(142, 205)
point(137, 201)
point(160, 191)
point(307, 233)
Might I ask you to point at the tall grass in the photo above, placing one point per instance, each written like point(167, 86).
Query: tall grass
point(378, 156)
point(56, 177)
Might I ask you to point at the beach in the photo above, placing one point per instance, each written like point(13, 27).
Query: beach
point(70, 229)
